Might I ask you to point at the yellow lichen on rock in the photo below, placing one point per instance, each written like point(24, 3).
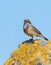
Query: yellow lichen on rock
point(31, 54)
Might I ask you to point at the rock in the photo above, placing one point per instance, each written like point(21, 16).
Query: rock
point(31, 53)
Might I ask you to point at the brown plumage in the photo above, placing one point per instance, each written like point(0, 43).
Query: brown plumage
point(31, 30)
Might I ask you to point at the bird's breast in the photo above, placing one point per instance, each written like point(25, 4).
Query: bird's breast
point(29, 31)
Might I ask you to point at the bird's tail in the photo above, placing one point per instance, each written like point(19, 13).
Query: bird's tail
point(44, 37)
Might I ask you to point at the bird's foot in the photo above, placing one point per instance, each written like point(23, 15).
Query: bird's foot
point(31, 40)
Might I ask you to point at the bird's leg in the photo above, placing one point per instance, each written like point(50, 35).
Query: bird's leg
point(34, 37)
point(31, 40)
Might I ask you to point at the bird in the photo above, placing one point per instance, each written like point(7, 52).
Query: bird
point(31, 30)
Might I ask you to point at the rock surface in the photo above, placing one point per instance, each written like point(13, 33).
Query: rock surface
point(37, 52)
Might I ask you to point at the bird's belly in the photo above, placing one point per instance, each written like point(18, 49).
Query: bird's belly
point(30, 32)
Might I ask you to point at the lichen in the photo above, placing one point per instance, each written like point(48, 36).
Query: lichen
point(31, 54)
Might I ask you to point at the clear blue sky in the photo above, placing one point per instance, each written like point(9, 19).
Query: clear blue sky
point(12, 14)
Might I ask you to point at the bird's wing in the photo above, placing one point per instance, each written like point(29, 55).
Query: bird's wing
point(36, 30)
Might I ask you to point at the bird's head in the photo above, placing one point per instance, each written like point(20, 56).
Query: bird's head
point(27, 21)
